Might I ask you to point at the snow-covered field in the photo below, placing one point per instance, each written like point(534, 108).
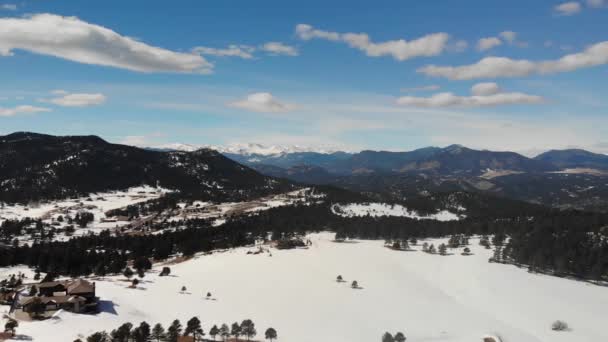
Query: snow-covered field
point(96, 203)
point(383, 209)
point(451, 298)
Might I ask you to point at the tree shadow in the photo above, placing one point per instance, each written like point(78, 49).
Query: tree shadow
point(21, 337)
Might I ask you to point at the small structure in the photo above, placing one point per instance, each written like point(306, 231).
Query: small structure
point(71, 295)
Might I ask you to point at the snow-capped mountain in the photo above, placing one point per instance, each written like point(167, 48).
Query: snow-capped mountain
point(247, 149)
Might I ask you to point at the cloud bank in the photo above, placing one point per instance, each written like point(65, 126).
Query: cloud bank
point(483, 95)
point(25, 109)
point(66, 99)
point(401, 50)
point(76, 40)
point(495, 67)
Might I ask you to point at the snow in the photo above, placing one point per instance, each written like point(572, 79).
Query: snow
point(383, 209)
point(429, 297)
point(98, 204)
point(208, 210)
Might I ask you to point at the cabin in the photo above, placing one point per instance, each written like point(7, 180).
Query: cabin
point(76, 296)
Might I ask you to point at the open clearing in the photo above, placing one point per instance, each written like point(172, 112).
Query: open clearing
point(452, 298)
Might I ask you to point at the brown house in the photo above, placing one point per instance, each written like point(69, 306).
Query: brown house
point(71, 295)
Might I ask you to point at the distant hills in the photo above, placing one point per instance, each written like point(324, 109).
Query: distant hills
point(38, 166)
point(574, 158)
point(564, 179)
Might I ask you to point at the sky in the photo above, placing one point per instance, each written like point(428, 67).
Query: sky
point(394, 75)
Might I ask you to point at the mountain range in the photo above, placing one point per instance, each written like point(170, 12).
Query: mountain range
point(37, 166)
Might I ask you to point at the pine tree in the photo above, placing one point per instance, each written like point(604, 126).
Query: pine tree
point(143, 332)
point(214, 331)
point(11, 326)
point(339, 279)
point(443, 250)
point(248, 329)
point(355, 284)
point(399, 337)
point(235, 330)
point(224, 331)
point(174, 331)
point(270, 334)
point(387, 337)
point(158, 332)
point(193, 326)
point(122, 334)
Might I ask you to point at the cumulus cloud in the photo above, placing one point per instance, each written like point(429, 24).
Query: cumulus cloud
point(25, 109)
point(494, 67)
point(568, 8)
point(483, 95)
point(9, 7)
point(487, 43)
point(76, 40)
point(484, 89)
point(508, 36)
point(241, 51)
point(66, 99)
point(263, 103)
point(278, 48)
point(401, 50)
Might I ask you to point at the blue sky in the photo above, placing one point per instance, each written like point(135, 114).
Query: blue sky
point(355, 76)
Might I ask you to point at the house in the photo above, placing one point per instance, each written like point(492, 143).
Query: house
point(72, 295)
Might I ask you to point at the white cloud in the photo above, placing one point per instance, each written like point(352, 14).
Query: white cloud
point(278, 48)
point(431, 87)
point(484, 94)
point(25, 109)
point(568, 8)
point(9, 7)
point(242, 51)
point(76, 40)
point(263, 103)
point(509, 36)
point(66, 99)
point(597, 3)
point(401, 50)
point(494, 67)
point(487, 43)
point(484, 89)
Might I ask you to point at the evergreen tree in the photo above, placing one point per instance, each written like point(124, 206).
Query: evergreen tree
point(248, 329)
point(142, 332)
point(122, 334)
point(399, 337)
point(194, 328)
point(387, 337)
point(271, 334)
point(354, 284)
point(158, 332)
point(443, 250)
point(224, 331)
point(339, 279)
point(235, 330)
point(214, 331)
point(99, 337)
point(11, 326)
point(174, 331)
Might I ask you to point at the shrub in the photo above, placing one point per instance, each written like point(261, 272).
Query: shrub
point(559, 326)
